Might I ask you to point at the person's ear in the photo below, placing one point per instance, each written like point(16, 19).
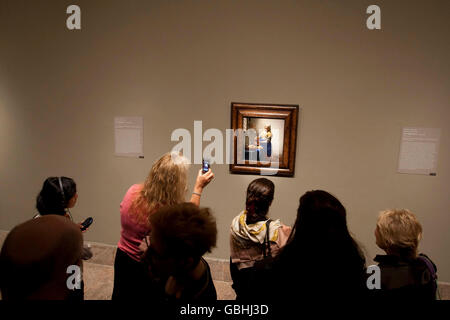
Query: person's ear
point(72, 201)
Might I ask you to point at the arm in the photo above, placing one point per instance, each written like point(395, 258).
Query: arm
point(201, 182)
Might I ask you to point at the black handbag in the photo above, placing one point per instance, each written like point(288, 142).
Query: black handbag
point(251, 283)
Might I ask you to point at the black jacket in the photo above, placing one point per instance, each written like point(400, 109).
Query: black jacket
point(405, 279)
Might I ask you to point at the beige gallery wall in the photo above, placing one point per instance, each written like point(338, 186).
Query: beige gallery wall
point(174, 62)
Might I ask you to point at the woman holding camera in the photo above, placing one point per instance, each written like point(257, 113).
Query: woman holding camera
point(166, 184)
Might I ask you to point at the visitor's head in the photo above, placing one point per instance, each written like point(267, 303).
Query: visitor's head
point(321, 227)
point(181, 234)
point(398, 232)
point(259, 198)
point(167, 181)
point(166, 184)
point(35, 257)
point(320, 215)
point(56, 195)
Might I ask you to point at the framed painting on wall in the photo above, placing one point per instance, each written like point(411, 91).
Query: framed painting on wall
point(264, 140)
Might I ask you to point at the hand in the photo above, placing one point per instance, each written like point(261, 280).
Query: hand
point(81, 227)
point(143, 246)
point(203, 180)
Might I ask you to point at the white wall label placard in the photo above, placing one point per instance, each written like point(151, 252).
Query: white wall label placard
point(419, 150)
point(129, 136)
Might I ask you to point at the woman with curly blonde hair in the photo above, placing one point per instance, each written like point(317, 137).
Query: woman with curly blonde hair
point(166, 185)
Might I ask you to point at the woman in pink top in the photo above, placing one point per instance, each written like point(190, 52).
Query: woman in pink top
point(166, 184)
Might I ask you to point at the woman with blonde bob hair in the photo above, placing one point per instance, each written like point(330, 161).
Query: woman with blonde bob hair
point(166, 185)
point(405, 274)
point(398, 232)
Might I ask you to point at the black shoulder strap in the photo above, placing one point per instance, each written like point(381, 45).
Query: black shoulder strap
point(208, 279)
point(267, 240)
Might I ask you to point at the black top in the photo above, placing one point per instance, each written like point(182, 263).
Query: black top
point(202, 291)
point(309, 276)
point(403, 278)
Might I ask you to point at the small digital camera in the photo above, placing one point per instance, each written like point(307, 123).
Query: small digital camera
point(205, 166)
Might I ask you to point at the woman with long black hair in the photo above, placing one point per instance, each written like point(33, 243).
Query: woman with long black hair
point(321, 260)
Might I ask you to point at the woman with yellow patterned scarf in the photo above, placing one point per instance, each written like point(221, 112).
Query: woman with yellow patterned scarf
point(248, 241)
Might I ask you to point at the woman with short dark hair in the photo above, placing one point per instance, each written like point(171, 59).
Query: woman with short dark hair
point(57, 195)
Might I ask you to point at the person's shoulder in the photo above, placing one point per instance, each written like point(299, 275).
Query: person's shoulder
point(279, 224)
point(130, 195)
point(237, 219)
point(284, 231)
point(133, 190)
point(136, 187)
point(426, 260)
point(286, 228)
point(240, 214)
point(425, 267)
point(208, 291)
